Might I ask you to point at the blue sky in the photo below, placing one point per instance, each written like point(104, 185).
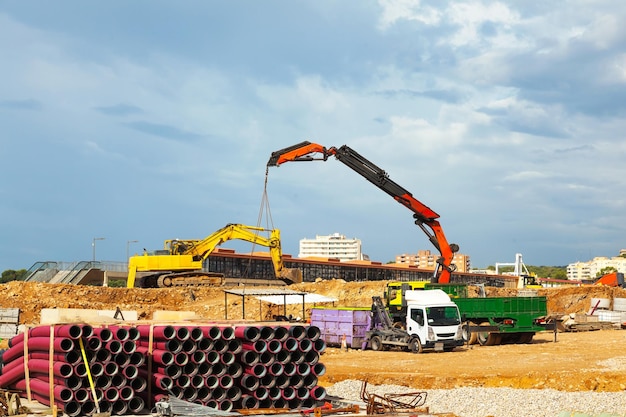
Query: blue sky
point(153, 120)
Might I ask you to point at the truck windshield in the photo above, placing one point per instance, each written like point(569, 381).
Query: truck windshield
point(443, 316)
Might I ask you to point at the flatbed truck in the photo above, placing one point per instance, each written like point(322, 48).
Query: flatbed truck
point(486, 320)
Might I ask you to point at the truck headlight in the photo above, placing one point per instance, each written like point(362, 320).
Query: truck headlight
point(459, 332)
point(431, 334)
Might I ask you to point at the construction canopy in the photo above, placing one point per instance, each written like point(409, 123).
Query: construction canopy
point(296, 299)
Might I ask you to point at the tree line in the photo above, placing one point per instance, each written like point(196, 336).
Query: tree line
point(12, 275)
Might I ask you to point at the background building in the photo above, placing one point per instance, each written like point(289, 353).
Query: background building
point(581, 271)
point(424, 259)
point(335, 246)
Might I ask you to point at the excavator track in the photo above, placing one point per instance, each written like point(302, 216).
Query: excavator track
point(190, 279)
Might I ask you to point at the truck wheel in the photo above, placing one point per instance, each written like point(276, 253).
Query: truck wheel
point(488, 338)
point(415, 345)
point(469, 337)
point(525, 337)
point(376, 343)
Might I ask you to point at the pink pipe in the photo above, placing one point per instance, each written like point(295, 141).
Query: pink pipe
point(181, 359)
point(205, 344)
point(182, 333)
point(311, 357)
point(197, 381)
point(189, 346)
point(282, 381)
point(234, 393)
point(103, 355)
point(305, 345)
point(235, 346)
point(119, 333)
point(103, 334)
point(196, 334)
point(172, 371)
point(296, 381)
point(310, 381)
point(171, 345)
point(274, 393)
point(274, 346)
point(130, 371)
point(257, 370)
point(248, 401)
point(135, 405)
point(280, 403)
point(118, 381)
point(299, 332)
point(121, 359)
point(60, 345)
point(71, 408)
point(297, 357)
point(190, 394)
point(70, 331)
point(288, 393)
point(211, 382)
point(225, 405)
point(190, 369)
point(260, 393)
point(110, 368)
point(227, 358)
point(228, 333)
point(266, 332)
point(59, 392)
point(249, 382)
point(102, 382)
point(220, 345)
point(313, 333)
point(302, 393)
point(163, 357)
point(159, 380)
point(219, 394)
point(87, 408)
point(137, 359)
point(235, 370)
point(60, 369)
point(138, 384)
point(197, 357)
point(211, 332)
point(205, 369)
point(267, 358)
point(114, 346)
point(119, 407)
point(281, 333)
point(204, 394)
point(212, 357)
point(249, 357)
point(126, 393)
point(81, 395)
point(283, 356)
point(268, 381)
point(182, 381)
point(111, 394)
point(258, 346)
point(219, 369)
point(133, 334)
point(319, 345)
point(248, 333)
point(290, 344)
point(226, 381)
point(275, 369)
point(289, 368)
point(318, 369)
point(129, 346)
point(303, 369)
point(93, 343)
point(73, 382)
point(158, 332)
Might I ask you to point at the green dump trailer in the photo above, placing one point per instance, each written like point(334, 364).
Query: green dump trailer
point(487, 320)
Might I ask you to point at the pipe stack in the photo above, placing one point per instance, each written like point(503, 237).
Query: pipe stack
point(226, 367)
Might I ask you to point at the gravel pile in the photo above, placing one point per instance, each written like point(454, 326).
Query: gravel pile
point(499, 402)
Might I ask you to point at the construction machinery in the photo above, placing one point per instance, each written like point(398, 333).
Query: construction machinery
point(425, 218)
point(613, 279)
point(180, 263)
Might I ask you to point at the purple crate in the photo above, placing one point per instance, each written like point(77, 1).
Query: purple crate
point(334, 324)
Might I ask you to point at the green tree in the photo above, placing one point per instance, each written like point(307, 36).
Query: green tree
point(12, 275)
point(605, 270)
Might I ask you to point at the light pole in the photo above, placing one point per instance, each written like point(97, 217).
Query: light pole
point(93, 246)
point(128, 242)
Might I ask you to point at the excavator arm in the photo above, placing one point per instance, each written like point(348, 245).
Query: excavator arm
point(183, 257)
point(424, 217)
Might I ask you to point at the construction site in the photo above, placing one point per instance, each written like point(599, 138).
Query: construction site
point(201, 331)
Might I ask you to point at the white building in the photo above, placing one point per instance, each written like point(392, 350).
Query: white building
point(335, 246)
point(588, 270)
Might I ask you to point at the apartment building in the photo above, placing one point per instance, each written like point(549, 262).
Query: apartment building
point(335, 246)
point(581, 271)
point(424, 259)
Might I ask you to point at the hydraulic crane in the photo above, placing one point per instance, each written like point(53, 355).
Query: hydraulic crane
point(425, 218)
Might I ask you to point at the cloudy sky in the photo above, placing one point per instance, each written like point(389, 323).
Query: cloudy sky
point(153, 120)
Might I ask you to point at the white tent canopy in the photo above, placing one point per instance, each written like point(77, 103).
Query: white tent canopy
point(296, 299)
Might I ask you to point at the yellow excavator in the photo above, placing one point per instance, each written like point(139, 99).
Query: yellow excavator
point(180, 262)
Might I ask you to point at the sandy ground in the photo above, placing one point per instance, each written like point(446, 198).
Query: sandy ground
point(581, 361)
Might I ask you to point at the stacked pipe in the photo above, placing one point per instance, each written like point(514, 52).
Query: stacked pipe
point(223, 366)
point(57, 371)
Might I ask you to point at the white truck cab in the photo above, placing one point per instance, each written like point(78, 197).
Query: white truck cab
point(434, 319)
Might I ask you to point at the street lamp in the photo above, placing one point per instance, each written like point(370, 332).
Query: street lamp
point(128, 242)
point(93, 246)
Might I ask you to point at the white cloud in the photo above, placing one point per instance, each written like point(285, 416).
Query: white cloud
point(411, 10)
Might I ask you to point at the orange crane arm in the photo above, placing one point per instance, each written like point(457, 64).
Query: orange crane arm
point(424, 217)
